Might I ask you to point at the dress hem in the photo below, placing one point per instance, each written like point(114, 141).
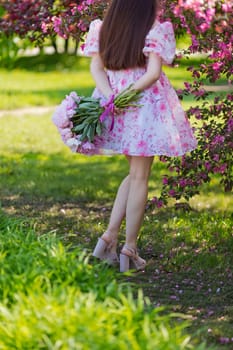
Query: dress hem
point(110, 152)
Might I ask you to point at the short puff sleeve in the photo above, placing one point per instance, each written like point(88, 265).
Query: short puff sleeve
point(161, 40)
point(91, 45)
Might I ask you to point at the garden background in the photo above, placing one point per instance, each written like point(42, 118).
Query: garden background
point(55, 204)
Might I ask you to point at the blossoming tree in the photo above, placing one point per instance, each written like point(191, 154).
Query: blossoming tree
point(210, 26)
point(42, 19)
point(209, 23)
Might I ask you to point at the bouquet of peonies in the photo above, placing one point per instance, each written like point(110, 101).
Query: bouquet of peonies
point(80, 119)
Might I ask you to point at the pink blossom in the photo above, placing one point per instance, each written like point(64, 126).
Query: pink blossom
point(66, 134)
point(56, 23)
point(172, 193)
point(217, 65)
point(44, 27)
point(60, 117)
point(71, 102)
point(73, 143)
point(183, 182)
point(218, 139)
point(208, 165)
point(87, 146)
point(187, 85)
point(230, 125)
point(224, 340)
point(204, 27)
point(216, 157)
point(227, 6)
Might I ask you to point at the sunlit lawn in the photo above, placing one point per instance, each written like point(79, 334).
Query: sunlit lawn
point(34, 83)
point(45, 80)
point(189, 252)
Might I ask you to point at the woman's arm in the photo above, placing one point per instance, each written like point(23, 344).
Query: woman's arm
point(153, 71)
point(100, 77)
point(152, 74)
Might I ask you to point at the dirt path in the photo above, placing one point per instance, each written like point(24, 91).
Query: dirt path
point(27, 110)
point(218, 88)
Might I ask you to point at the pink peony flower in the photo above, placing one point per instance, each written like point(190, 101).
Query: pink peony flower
point(66, 134)
point(87, 146)
point(65, 111)
point(60, 117)
point(73, 143)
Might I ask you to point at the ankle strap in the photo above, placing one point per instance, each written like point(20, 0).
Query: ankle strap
point(130, 250)
point(110, 242)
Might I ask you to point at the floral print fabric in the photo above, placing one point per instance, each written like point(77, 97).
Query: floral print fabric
point(159, 126)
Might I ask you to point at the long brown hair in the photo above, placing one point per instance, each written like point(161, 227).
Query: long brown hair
point(123, 33)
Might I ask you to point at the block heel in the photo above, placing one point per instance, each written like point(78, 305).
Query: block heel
point(124, 263)
point(102, 251)
point(99, 251)
point(129, 259)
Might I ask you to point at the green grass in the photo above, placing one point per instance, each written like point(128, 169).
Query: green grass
point(41, 263)
point(52, 297)
point(45, 80)
point(63, 202)
point(189, 253)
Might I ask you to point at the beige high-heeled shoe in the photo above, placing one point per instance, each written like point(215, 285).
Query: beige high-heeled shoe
point(102, 251)
point(129, 259)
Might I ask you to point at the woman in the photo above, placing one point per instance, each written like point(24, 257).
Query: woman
point(128, 49)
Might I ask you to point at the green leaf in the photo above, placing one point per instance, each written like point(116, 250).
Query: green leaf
point(91, 133)
point(79, 127)
point(98, 129)
point(84, 133)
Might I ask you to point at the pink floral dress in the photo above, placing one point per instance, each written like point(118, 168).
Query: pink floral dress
point(160, 126)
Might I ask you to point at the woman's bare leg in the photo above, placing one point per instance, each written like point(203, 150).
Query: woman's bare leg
point(130, 203)
point(140, 168)
point(118, 210)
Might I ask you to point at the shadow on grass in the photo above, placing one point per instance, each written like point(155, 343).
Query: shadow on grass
point(48, 63)
point(56, 178)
